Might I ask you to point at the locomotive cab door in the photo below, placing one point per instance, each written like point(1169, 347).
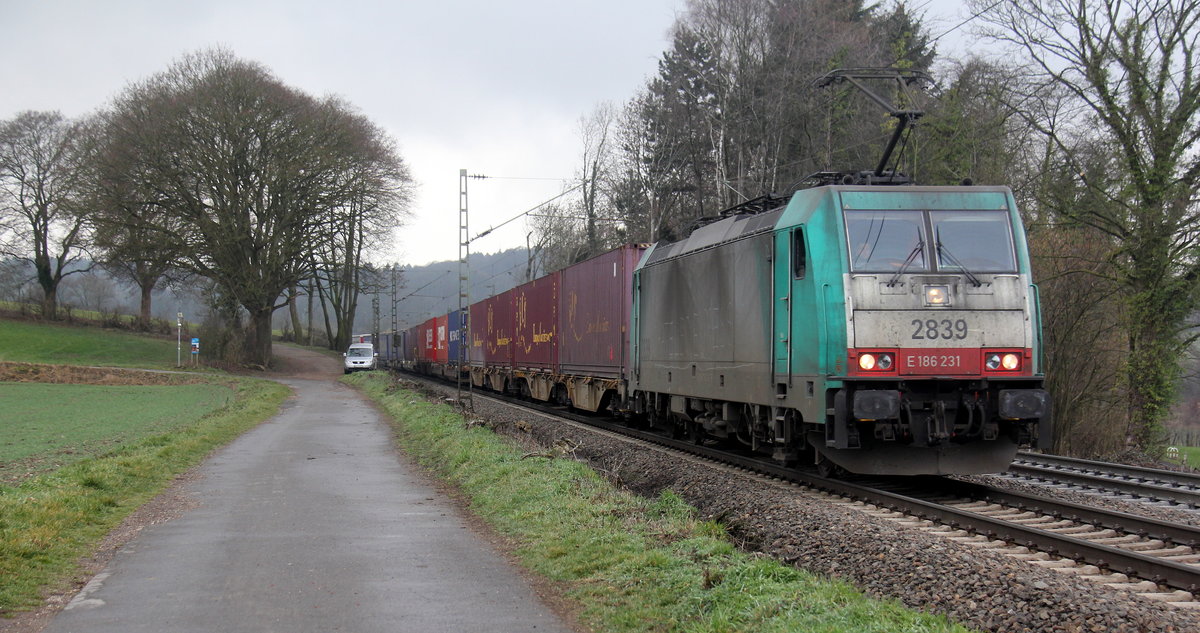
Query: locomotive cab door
point(791, 263)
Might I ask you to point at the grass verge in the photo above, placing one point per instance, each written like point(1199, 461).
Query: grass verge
point(632, 564)
point(48, 522)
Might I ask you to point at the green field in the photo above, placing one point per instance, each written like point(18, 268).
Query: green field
point(44, 426)
point(28, 342)
point(1189, 455)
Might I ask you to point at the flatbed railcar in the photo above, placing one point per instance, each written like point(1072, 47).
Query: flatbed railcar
point(879, 330)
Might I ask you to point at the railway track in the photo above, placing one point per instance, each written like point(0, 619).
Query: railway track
point(1145, 484)
point(1158, 560)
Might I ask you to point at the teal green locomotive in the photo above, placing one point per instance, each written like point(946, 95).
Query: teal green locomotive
point(875, 329)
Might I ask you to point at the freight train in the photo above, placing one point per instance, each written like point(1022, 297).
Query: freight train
point(871, 329)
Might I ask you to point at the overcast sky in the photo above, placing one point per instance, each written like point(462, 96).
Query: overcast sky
point(497, 88)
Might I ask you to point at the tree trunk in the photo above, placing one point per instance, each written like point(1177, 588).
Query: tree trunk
point(309, 306)
point(1153, 374)
point(49, 283)
point(294, 313)
point(325, 313)
point(258, 337)
point(144, 309)
point(50, 303)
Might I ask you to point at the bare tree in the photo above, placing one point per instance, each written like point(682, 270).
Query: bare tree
point(133, 234)
point(596, 133)
point(251, 169)
point(1130, 68)
point(381, 190)
point(642, 185)
point(92, 291)
point(41, 154)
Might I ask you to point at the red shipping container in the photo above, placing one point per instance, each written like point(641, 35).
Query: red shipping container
point(441, 336)
point(428, 341)
point(535, 323)
point(597, 300)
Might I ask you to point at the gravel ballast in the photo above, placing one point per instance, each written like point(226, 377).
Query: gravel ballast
point(979, 588)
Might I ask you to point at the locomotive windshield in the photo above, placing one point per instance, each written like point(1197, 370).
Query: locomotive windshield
point(978, 241)
point(900, 240)
point(887, 240)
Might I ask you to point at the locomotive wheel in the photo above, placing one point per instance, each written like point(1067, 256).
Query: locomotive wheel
point(828, 469)
point(694, 434)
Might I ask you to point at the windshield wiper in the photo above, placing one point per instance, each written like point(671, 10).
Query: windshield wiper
point(942, 250)
point(907, 262)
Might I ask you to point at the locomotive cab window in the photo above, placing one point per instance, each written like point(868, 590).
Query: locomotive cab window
point(978, 241)
point(887, 241)
point(799, 255)
point(926, 241)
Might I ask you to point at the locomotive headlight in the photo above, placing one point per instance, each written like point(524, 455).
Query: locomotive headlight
point(937, 295)
point(885, 362)
point(1010, 362)
point(1003, 362)
point(866, 362)
point(878, 361)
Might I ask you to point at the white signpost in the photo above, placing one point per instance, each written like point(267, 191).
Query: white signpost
point(179, 339)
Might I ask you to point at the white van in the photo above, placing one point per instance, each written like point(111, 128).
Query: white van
point(360, 357)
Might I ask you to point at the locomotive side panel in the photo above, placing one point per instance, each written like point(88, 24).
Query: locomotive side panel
point(704, 323)
point(810, 330)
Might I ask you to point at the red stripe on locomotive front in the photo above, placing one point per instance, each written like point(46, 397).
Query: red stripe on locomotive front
point(949, 362)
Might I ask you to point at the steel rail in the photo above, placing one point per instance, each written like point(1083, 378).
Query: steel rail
point(1124, 470)
point(1182, 496)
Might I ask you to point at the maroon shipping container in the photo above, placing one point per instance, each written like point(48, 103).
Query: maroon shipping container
point(535, 323)
point(491, 331)
point(478, 334)
point(596, 299)
point(412, 345)
point(495, 325)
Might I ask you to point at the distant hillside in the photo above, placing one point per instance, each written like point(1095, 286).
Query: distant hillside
point(432, 290)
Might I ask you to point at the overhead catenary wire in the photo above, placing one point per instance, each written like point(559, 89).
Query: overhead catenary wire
point(527, 211)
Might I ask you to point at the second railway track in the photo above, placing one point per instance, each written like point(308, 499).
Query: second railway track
point(1175, 489)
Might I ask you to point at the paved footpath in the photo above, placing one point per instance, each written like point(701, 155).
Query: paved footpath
point(310, 523)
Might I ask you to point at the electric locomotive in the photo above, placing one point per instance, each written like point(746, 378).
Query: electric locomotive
point(875, 329)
